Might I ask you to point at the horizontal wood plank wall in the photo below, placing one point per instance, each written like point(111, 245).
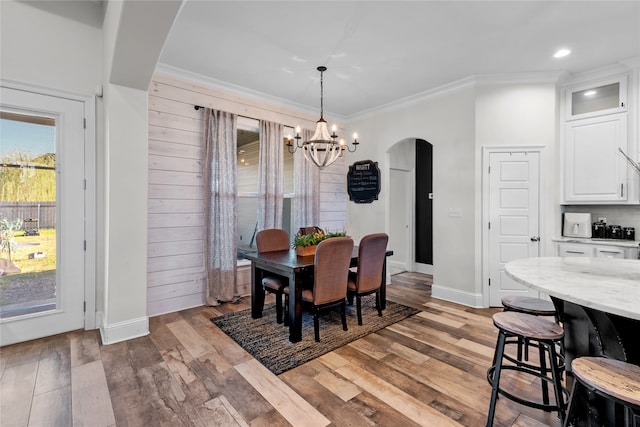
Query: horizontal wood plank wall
point(175, 265)
point(175, 269)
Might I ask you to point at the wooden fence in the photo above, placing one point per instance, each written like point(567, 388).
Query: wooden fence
point(44, 212)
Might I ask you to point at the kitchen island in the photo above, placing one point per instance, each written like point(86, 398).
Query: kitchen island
point(598, 302)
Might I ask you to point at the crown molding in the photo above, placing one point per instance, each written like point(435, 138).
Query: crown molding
point(416, 98)
point(471, 81)
point(239, 90)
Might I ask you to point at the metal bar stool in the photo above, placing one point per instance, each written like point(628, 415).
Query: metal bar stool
point(547, 334)
point(528, 305)
point(612, 379)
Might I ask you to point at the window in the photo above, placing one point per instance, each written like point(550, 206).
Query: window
point(247, 167)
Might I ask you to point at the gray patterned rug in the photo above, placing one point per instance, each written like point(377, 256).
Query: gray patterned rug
point(269, 342)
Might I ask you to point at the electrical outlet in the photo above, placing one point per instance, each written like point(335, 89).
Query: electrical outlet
point(602, 219)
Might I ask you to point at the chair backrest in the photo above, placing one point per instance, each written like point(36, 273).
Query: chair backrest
point(371, 256)
point(303, 231)
point(272, 239)
point(331, 269)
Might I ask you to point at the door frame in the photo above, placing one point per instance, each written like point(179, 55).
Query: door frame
point(90, 233)
point(409, 264)
point(542, 184)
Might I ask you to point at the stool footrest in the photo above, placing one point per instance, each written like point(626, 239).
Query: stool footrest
point(532, 404)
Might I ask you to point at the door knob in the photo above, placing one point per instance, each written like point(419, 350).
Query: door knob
point(535, 239)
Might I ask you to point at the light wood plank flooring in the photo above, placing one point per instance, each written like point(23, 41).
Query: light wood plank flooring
point(428, 370)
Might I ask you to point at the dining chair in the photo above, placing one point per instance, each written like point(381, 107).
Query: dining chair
point(368, 277)
point(330, 275)
point(303, 231)
point(271, 240)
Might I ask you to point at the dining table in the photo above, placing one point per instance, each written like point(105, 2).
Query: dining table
point(296, 269)
point(597, 300)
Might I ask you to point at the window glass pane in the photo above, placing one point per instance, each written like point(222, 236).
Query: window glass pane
point(595, 99)
point(27, 214)
point(248, 152)
point(247, 225)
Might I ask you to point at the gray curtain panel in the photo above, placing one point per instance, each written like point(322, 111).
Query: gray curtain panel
point(270, 175)
point(306, 187)
point(221, 204)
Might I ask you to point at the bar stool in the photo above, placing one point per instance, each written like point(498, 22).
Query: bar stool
point(547, 334)
point(612, 379)
point(528, 305)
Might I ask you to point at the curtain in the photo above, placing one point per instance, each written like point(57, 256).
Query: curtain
point(270, 175)
point(221, 202)
point(306, 188)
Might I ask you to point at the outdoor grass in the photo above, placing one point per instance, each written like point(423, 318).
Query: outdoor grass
point(45, 242)
point(36, 281)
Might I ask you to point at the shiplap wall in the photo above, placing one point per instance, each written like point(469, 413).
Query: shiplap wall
point(175, 266)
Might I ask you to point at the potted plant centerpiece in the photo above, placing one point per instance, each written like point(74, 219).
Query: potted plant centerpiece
point(306, 243)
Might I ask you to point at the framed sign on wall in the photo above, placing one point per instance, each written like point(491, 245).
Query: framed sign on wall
point(363, 181)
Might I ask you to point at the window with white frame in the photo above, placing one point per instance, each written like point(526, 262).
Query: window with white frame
point(247, 170)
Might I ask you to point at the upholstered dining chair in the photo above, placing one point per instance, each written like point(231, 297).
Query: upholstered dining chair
point(367, 279)
point(330, 275)
point(303, 231)
point(271, 240)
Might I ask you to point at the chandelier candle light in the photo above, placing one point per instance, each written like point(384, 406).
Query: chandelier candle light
point(322, 149)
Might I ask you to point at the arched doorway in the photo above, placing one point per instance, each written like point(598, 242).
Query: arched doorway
point(411, 206)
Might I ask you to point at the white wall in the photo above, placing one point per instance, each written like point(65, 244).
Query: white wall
point(459, 123)
point(514, 114)
point(447, 121)
point(61, 50)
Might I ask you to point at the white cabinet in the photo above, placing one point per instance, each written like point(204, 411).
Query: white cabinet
point(574, 249)
point(594, 169)
point(598, 249)
point(610, 252)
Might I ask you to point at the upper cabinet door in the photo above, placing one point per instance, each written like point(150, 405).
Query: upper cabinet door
point(596, 99)
point(594, 169)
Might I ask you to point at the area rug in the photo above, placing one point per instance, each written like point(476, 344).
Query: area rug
point(269, 342)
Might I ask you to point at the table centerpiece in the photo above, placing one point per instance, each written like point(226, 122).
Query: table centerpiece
point(306, 243)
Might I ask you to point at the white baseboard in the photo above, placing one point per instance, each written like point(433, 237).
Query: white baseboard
point(423, 268)
point(457, 296)
point(394, 267)
point(122, 331)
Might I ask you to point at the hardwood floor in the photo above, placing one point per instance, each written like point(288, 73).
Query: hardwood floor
point(429, 369)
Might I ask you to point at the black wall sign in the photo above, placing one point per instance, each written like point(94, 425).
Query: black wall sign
point(363, 181)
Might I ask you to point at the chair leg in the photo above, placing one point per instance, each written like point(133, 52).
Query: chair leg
point(497, 367)
point(286, 310)
point(378, 305)
point(316, 325)
point(343, 313)
point(350, 298)
point(544, 370)
point(557, 381)
point(279, 307)
point(572, 404)
point(359, 309)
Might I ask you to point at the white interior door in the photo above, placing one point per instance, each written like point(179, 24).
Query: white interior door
point(25, 115)
point(400, 229)
point(513, 218)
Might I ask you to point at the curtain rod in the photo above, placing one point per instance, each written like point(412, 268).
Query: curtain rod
point(197, 107)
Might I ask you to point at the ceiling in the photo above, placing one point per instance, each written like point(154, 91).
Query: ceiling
point(379, 52)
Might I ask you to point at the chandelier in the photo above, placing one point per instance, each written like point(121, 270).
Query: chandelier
point(323, 148)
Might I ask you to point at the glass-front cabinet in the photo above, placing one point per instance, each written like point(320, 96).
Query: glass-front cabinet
point(596, 99)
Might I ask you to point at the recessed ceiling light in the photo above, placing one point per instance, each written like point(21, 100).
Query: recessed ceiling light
point(590, 93)
point(561, 53)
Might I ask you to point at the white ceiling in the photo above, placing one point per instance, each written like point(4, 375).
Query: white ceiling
point(378, 52)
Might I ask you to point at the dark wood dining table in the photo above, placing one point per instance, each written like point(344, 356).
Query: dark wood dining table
point(295, 268)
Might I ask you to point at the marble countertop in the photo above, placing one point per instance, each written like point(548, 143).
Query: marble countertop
point(596, 241)
point(606, 284)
